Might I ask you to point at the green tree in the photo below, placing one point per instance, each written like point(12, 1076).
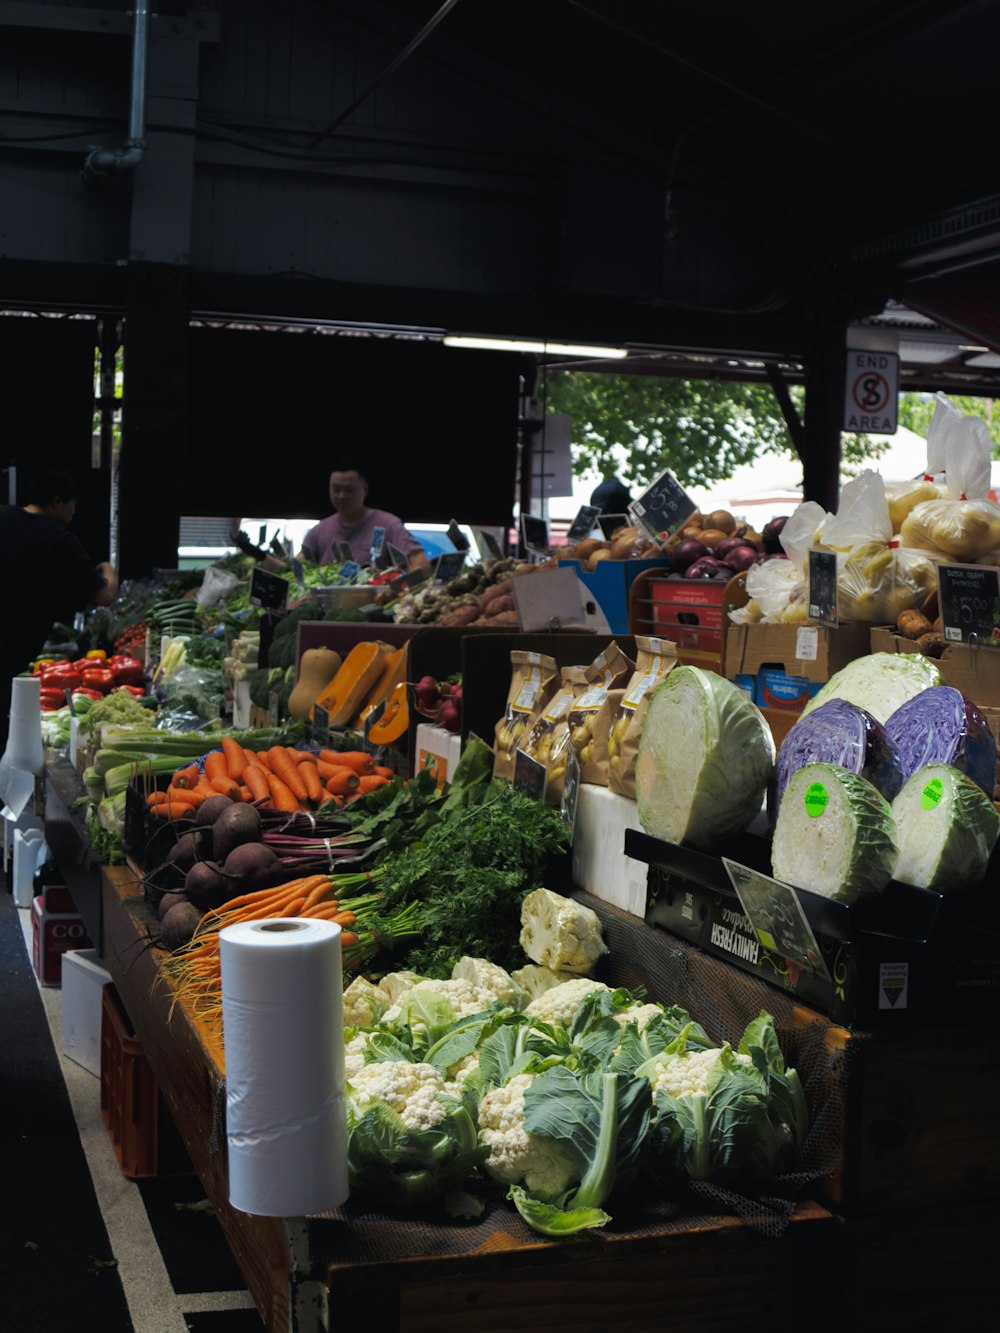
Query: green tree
point(702, 430)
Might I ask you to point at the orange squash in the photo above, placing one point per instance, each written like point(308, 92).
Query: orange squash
point(395, 721)
point(343, 696)
point(393, 671)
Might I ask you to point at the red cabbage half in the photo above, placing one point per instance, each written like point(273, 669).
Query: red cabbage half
point(941, 726)
point(839, 733)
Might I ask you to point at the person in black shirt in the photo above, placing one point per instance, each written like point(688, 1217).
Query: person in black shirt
point(48, 575)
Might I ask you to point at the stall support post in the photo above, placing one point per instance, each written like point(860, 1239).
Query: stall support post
point(825, 372)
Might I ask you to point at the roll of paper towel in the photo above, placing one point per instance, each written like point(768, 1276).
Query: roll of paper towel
point(24, 739)
point(283, 1021)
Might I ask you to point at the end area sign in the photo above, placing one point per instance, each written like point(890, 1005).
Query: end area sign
point(871, 400)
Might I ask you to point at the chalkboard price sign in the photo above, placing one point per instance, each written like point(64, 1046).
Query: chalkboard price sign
point(268, 591)
point(321, 725)
point(583, 524)
point(457, 537)
point(535, 533)
point(610, 523)
point(396, 556)
point(664, 507)
point(823, 587)
point(529, 775)
point(775, 913)
point(449, 565)
point(969, 596)
point(344, 551)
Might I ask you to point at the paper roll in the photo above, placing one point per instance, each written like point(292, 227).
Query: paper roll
point(283, 1023)
point(24, 738)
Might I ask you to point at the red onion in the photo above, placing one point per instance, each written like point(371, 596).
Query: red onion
point(741, 558)
point(686, 552)
point(707, 567)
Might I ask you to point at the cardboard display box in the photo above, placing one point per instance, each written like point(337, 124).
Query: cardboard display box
point(815, 652)
point(609, 584)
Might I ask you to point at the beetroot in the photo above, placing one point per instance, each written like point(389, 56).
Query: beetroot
point(238, 824)
point(210, 810)
point(206, 886)
point(254, 866)
point(189, 848)
point(178, 925)
point(169, 900)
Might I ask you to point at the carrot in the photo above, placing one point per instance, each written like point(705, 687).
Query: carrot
point(311, 782)
point(235, 761)
point(369, 781)
point(246, 795)
point(215, 765)
point(285, 768)
point(183, 795)
point(160, 804)
point(381, 772)
point(188, 776)
point(282, 796)
point(227, 787)
point(304, 756)
point(249, 755)
point(259, 757)
point(360, 760)
point(258, 896)
point(342, 783)
point(326, 770)
point(256, 780)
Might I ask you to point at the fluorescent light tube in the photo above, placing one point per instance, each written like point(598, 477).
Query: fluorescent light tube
point(526, 345)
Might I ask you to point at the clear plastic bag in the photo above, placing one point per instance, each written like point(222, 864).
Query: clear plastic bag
point(964, 526)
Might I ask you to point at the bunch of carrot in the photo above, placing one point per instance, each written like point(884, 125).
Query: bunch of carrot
point(279, 778)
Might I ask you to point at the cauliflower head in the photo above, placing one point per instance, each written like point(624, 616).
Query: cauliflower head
point(560, 1003)
point(487, 979)
point(463, 997)
point(414, 1091)
point(640, 1014)
point(560, 933)
point(396, 984)
point(355, 1053)
point(688, 1074)
point(534, 980)
point(516, 1157)
point(364, 1004)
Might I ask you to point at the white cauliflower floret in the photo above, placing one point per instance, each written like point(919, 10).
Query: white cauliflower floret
point(458, 1073)
point(641, 1014)
point(364, 1004)
point(412, 1090)
point(688, 1075)
point(396, 984)
point(463, 997)
point(487, 978)
point(535, 980)
point(559, 1004)
point(354, 1053)
point(543, 1165)
point(560, 933)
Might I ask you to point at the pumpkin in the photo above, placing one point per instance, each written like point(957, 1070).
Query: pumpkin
point(317, 667)
point(345, 694)
point(395, 721)
point(392, 672)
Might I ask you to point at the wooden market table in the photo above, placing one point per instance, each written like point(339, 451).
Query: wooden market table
point(684, 1271)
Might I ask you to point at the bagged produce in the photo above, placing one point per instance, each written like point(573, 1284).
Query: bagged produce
point(655, 659)
point(946, 829)
point(705, 758)
point(965, 525)
point(941, 726)
point(533, 678)
point(548, 739)
point(834, 834)
point(590, 713)
point(841, 733)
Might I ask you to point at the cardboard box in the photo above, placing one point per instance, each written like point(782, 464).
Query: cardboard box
point(775, 688)
point(974, 671)
point(437, 749)
point(814, 651)
point(83, 981)
point(609, 585)
point(52, 935)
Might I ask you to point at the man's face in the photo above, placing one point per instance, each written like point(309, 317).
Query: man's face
point(61, 510)
point(347, 492)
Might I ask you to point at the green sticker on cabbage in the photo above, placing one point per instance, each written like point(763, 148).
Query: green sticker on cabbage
point(932, 793)
point(815, 799)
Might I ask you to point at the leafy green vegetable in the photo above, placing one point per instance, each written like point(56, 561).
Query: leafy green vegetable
point(879, 683)
point(946, 828)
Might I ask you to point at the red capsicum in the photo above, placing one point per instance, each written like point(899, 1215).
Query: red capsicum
point(127, 670)
point(51, 699)
point(88, 692)
point(98, 678)
point(136, 691)
point(60, 677)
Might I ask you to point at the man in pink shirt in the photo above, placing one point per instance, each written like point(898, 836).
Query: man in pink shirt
point(361, 527)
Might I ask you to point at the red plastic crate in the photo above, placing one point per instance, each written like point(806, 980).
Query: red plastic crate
point(688, 611)
point(144, 1137)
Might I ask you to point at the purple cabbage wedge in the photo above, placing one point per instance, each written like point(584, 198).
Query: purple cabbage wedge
point(941, 726)
point(843, 734)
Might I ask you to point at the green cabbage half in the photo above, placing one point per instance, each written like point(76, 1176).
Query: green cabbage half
point(705, 757)
point(879, 683)
point(946, 827)
point(834, 834)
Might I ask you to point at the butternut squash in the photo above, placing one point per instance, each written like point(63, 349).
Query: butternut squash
point(317, 667)
point(343, 696)
point(393, 671)
point(395, 721)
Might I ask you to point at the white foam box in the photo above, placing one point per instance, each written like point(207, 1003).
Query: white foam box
point(83, 982)
point(439, 748)
point(600, 865)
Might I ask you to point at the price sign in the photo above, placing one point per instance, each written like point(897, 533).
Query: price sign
point(457, 537)
point(823, 587)
point(583, 523)
point(344, 552)
point(969, 596)
point(529, 775)
point(349, 571)
point(449, 565)
point(272, 709)
point(396, 556)
point(610, 523)
point(570, 791)
point(775, 913)
point(378, 541)
point(664, 507)
point(299, 573)
point(268, 591)
point(321, 725)
point(489, 547)
point(535, 533)
point(413, 578)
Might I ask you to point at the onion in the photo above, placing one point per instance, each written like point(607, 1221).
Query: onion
point(711, 536)
point(706, 567)
point(722, 549)
point(721, 518)
point(686, 552)
point(741, 558)
point(771, 533)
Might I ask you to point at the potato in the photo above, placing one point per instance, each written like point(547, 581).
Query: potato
point(913, 624)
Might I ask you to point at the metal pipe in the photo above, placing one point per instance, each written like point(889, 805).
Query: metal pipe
point(104, 162)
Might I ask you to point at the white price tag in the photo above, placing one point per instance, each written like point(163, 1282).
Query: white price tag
point(807, 643)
